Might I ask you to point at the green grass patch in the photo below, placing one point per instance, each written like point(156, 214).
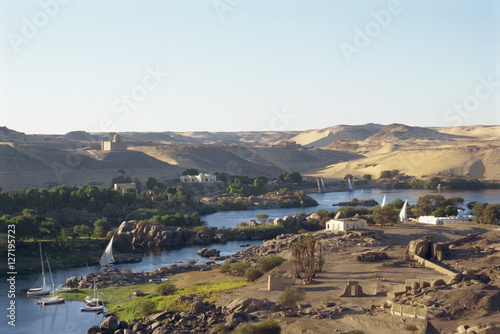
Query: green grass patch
point(122, 302)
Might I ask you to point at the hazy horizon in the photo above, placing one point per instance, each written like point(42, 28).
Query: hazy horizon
point(232, 66)
point(235, 131)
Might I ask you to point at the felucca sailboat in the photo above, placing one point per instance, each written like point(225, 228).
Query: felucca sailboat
point(107, 258)
point(43, 290)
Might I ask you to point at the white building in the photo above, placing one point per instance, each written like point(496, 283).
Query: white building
point(120, 187)
point(345, 224)
point(446, 220)
point(200, 178)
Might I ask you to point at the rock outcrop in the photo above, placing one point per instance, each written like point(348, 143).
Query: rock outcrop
point(208, 252)
point(147, 236)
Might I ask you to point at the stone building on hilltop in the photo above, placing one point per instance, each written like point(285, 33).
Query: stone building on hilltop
point(115, 144)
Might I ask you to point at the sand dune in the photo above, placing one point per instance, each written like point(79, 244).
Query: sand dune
point(324, 137)
point(491, 132)
point(479, 162)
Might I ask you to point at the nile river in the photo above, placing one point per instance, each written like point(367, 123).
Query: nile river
point(67, 318)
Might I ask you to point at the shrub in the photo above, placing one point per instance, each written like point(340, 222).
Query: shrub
point(165, 288)
point(145, 307)
point(356, 331)
point(265, 327)
point(411, 328)
point(270, 262)
point(290, 297)
point(238, 268)
point(192, 262)
point(252, 274)
point(225, 267)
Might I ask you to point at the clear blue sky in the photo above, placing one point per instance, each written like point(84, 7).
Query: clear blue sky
point(246, 65)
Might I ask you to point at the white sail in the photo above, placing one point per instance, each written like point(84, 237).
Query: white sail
point(107, 257)
point(402, 214)
point(383, 201)
point(350, 184)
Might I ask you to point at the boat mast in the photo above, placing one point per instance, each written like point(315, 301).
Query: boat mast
point(53, 290)
point(44, 283)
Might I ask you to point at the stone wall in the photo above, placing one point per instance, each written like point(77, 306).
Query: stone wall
point(436, 267)
point(411, 311)
point(278, 283)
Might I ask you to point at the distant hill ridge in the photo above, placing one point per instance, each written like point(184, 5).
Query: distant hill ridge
point(398, 132)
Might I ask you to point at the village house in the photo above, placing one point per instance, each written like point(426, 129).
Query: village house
point(200, 178)
point(346, 224)
point(120, 187)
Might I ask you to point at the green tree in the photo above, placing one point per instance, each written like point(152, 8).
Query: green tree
point(385, 215)
point(151, 183)
point(486, 213)
point(262, 217)
point(294, 178)
point(190, 171)
point(101, 227)
point(307, 257)
point(81, 230)
point(259, 183)
point(367, 177)
point(428, 203)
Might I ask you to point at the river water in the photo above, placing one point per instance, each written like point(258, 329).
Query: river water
point(67, 317)
point(325, 201)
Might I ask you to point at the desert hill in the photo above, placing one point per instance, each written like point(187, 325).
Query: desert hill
point(397, 132)
point(326, 136)
point(75, 158)
point(82, 136)
point(8, 135)
point(200, 137)
point(421, 152)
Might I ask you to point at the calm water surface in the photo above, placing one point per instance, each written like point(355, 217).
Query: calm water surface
point(67, 317)
point(325, 200)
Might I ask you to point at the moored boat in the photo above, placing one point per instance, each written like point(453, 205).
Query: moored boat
point(53, 299)
point(43, 290)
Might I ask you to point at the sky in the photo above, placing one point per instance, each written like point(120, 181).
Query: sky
point(241, 65)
